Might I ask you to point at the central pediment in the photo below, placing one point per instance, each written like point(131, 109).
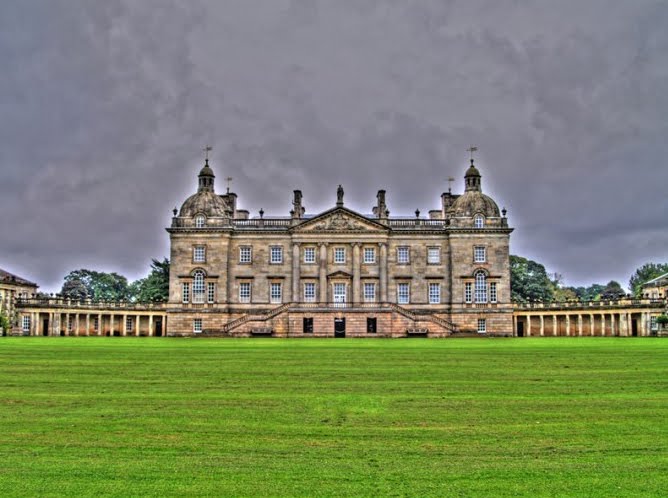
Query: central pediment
point(340, 219)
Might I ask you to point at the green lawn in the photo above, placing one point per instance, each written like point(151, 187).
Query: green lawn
point(489, 417)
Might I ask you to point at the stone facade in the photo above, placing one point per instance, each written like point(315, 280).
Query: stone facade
point(11, 288)
point(339, 273)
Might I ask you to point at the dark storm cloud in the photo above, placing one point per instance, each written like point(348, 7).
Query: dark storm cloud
point(106, 105)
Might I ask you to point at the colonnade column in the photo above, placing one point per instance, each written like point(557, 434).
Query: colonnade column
point(111, 325)
point(602, 324)
point(87, 324)
point(514, 324)
point(591, 324)
point(138, 320)
point(612, 324)
point(528, 325)
point(150, 325)
point(383, 272)
point(642, 324)
point(356, 273)
point(579, 324)
point(99, 324)
point(323, 272)
point(67, 323)
point(124, 326)
point(554, 325)
point(568, 325)
point(542, 325)
point(295, 273)
point(76, 324)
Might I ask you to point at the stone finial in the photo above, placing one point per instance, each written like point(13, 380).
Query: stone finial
point(175, 210)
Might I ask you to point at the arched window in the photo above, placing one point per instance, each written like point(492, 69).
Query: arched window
point(198, 286)
point(480, 287)
point(479, 221)
point(200, 221)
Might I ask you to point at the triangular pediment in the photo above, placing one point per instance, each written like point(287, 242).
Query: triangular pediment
point(340, 219)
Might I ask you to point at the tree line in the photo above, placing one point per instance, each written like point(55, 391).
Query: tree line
point(530, 282)
point(100, 286)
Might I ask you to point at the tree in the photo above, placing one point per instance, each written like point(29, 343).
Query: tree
point(4, 322)
point(155, 287)
point(529, 281)
point(645, 273)
point(612, 291)
point(98, 286)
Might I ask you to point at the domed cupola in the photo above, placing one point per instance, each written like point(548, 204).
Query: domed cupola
point(472, 179)
point(473, 203)
point(205, 203)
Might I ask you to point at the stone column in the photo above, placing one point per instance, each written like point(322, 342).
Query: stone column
point(34, 325)
point(554, 325)
point(542, 325)
point(514, 324)
point(579, 324)
point(383, 272)
point(111, 325)
point(67, 324)
point(52, 323)
point(602, 324)
point(323, 273)
point(76, 324)
point(356, 273)
point(87, 324)
point(612, 325)
point(138, 320)
point(295, 273)
point(99, 324)
point(591, 324)
point(642, 324)
point(124, 327)
point(568, 325)
point(150, 325)
point(528, 325)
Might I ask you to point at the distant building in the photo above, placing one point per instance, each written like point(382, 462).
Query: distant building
point(339, 272)
point(657, 288)
point(12, 287)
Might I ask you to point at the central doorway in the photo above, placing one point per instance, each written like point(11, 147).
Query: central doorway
point(339, 327)
point(45, 327)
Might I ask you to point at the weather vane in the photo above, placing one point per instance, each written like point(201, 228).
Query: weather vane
point(228, 180)
point(207, 149)
point(472, 149)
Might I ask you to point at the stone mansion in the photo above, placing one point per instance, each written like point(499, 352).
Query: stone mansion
point(339, 272)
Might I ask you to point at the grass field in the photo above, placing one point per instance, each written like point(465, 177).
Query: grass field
point(496, 417)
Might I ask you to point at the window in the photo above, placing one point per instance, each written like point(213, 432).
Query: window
point(200, 221)
point(96, 324)
point(369, 255)
point(128, 324)
point(197, 325)
point(198, 287)
point(276, 253)
point(245, 254)
point(479, 221)
point(653, 325)
point(309, 255)
point(480, 287)
point(434, 255)
point(308, 325)
point(275, 295)
point(482, 325)
point(339, 294)
point(199, 254)
point(479, 254)
point(371, 325)
point(434, 293)
point(211, 292)
point(309, 292)
point(340, 255)
point(403, 255)
point(185, 292)
point(245, 292)
point(403, 294)
point(492, 292)
point(468, 292)
point(369, 292)
point(26, 325)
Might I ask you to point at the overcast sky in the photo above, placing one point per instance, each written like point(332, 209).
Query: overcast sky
point(105, 106)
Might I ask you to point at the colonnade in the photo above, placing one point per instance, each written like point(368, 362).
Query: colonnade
point(580, 323)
